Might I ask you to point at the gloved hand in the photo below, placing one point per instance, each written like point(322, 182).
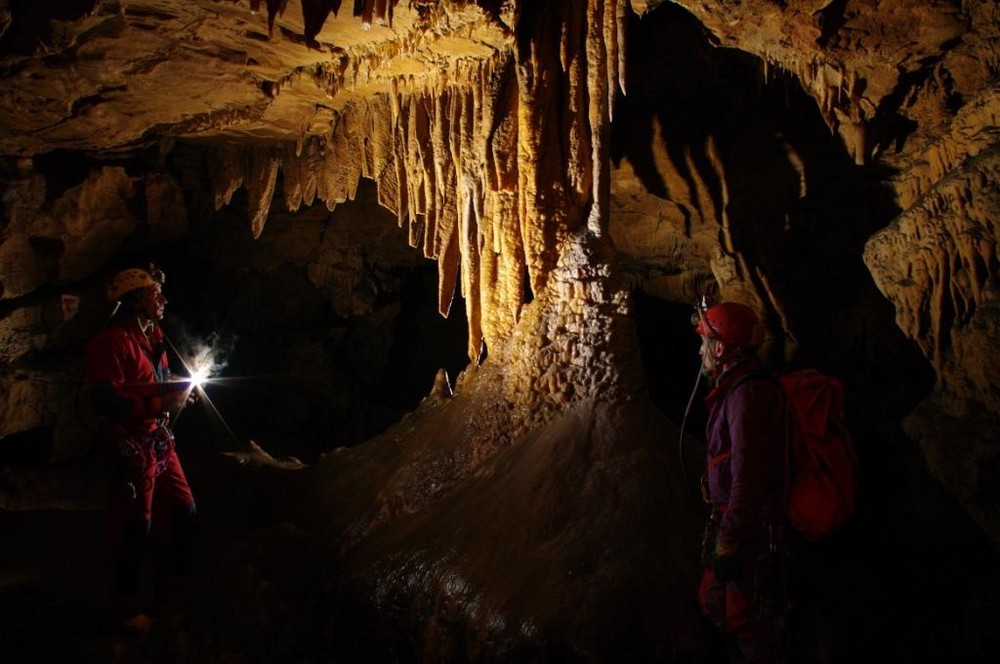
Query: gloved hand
point(126, 491)
point(727, 568)
point(175, 401)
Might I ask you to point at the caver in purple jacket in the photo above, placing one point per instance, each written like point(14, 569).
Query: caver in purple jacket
point(746, 450)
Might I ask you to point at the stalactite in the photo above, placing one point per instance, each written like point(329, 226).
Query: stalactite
point(943, 255)
point(399, 128)
point(449, 256)
point(614, 30)
point(602, 30)
point(446, 242)
point(342, 163)
point(226, 168)
point(469, 247)
point(354, 151)
point(291, 170)
point(380, 138)
point(578, 66)
point(542, 164)
point(417, 142)
point(490, 167)
point(406, 149)
point(300, 169)
point(470, 196)
point(441, 166)
point(387, 175)
point(328, 183)
point(260, 181)
point(503, 260)
point(432, 212)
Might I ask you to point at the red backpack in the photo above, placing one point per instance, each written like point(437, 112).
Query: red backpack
point(822, 465)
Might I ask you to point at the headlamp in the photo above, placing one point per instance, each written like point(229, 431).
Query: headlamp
point(157, 274)
point(700, 320)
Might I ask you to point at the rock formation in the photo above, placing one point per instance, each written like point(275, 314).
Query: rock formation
point(828, 163)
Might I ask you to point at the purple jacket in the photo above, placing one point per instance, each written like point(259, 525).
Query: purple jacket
point(746, 434)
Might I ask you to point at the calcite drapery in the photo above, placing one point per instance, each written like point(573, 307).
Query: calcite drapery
point(938, 260)
point(458, 159)
point(426, 150)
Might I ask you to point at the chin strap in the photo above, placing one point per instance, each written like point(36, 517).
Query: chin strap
point(146, 327)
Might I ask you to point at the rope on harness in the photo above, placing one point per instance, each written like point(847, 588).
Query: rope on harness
point(680, 441)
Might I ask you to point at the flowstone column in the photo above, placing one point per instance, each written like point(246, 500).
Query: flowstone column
point(575, 341)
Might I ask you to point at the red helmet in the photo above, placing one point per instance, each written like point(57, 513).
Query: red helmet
point(730, 322)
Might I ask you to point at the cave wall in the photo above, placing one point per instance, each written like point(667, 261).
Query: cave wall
point(910, 108)
point(337, 304)
point(342, 311)
point(830, 163)
point(430, 137)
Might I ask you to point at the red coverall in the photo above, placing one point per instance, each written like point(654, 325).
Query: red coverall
point(126, 372)
point(744, 481)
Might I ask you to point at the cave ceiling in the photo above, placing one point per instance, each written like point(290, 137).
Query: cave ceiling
point(327, 92)
point(125, 73)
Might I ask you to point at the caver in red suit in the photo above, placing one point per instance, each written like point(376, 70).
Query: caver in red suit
point(128, 379)
point(744, 484)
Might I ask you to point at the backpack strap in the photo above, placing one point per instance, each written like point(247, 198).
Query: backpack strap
point(719, 458)
point(762, 374)
point(772, 377)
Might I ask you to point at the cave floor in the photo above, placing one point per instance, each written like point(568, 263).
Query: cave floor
point(880, 582)
point(53, 599)
point(51, 587)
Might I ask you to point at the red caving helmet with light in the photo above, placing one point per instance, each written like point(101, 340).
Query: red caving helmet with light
point(731, 322)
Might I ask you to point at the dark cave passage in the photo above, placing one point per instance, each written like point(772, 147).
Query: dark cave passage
point(307, 368)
